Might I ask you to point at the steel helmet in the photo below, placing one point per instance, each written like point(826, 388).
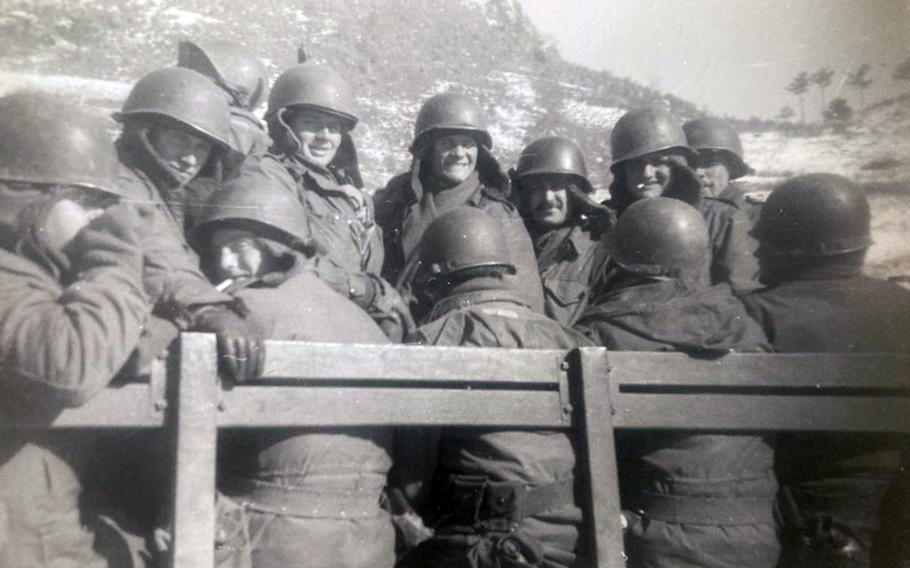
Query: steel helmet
point(717, 135)
point(269, 206)
point(462, 239)
point(230, 65)
point(645, 131)
point(46, 139)
point(183, 96)
point(450, 111)
point(553, 155)
point(660, 236)
point(313, 86)
point(814, 215)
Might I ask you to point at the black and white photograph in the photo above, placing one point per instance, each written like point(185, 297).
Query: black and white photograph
point(455, 284)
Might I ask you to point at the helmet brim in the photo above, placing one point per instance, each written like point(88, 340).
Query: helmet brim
point(422, 141)
point(123, 117)
point(690, 155)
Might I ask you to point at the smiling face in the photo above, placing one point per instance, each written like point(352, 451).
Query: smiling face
point(454, 158)
point(546, 199)
point(319, 134)
point(237, 254)
point(648, 176)
point(183, 152)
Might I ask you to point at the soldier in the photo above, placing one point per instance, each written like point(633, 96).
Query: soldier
point(701, 500)
point(651, 158)
point(175, 124)
point(242, 76)
point(813, 234)
point(312, 497)
point(452, 167)
point(720, 161)
point(481, 470)
point(550, 186)
point(72, 309)
point(310, 117)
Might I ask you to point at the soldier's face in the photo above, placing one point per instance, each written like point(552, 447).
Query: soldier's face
point(547, 199)
point(183, 152)
point(648, 176)
point(454, 157)
point(319, 135)
point(239, 254)
point(713, 172)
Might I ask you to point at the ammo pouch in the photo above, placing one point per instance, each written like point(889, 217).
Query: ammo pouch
point(477, 504)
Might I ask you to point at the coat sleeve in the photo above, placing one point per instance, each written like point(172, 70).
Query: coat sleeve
point(68, 342)
point(171, 273)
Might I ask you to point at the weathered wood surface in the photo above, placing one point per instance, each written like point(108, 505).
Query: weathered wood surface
point(266, 406)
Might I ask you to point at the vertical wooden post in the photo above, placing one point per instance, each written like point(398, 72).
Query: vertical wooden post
point(193, 523)
point(598, 447)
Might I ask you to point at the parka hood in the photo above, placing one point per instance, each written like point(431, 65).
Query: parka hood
point(345, 166)
point(492, 176)
point(135, 150)
point(684, 185)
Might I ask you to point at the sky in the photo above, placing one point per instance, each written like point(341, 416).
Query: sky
point(733, 57)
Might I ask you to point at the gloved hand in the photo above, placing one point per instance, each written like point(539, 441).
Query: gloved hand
point(241, 349)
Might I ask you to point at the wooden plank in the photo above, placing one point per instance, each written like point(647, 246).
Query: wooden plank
point(778, 370)
point(599, 456)
point(761, 412)
point(273, 406)
point(332, 361)
point(126, 406)
point(194, 494)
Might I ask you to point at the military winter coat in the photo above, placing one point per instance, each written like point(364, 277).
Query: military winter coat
point(701, 500)
point(312, 495)
point(492, 318)
point(403, 220)
point(571, 261)
point(732, 247)
point(846, 477)
point(750, 203)
point(68, 322)
point(171, 273)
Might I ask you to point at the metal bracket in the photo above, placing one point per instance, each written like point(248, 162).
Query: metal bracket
point(564, 401)
point(158, 386)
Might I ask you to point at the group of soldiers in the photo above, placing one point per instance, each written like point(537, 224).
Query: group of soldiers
point(199, 217)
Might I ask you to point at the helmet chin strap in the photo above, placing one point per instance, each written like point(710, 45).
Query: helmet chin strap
point(288, 131)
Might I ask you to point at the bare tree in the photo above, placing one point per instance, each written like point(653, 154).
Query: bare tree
point(860, 81)
point(838, 114)
point(822, 78)
point(798, 86)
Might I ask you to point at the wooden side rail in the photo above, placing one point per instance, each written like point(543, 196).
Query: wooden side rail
point(329, 384)
point(806, 392)
point(588, 390)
